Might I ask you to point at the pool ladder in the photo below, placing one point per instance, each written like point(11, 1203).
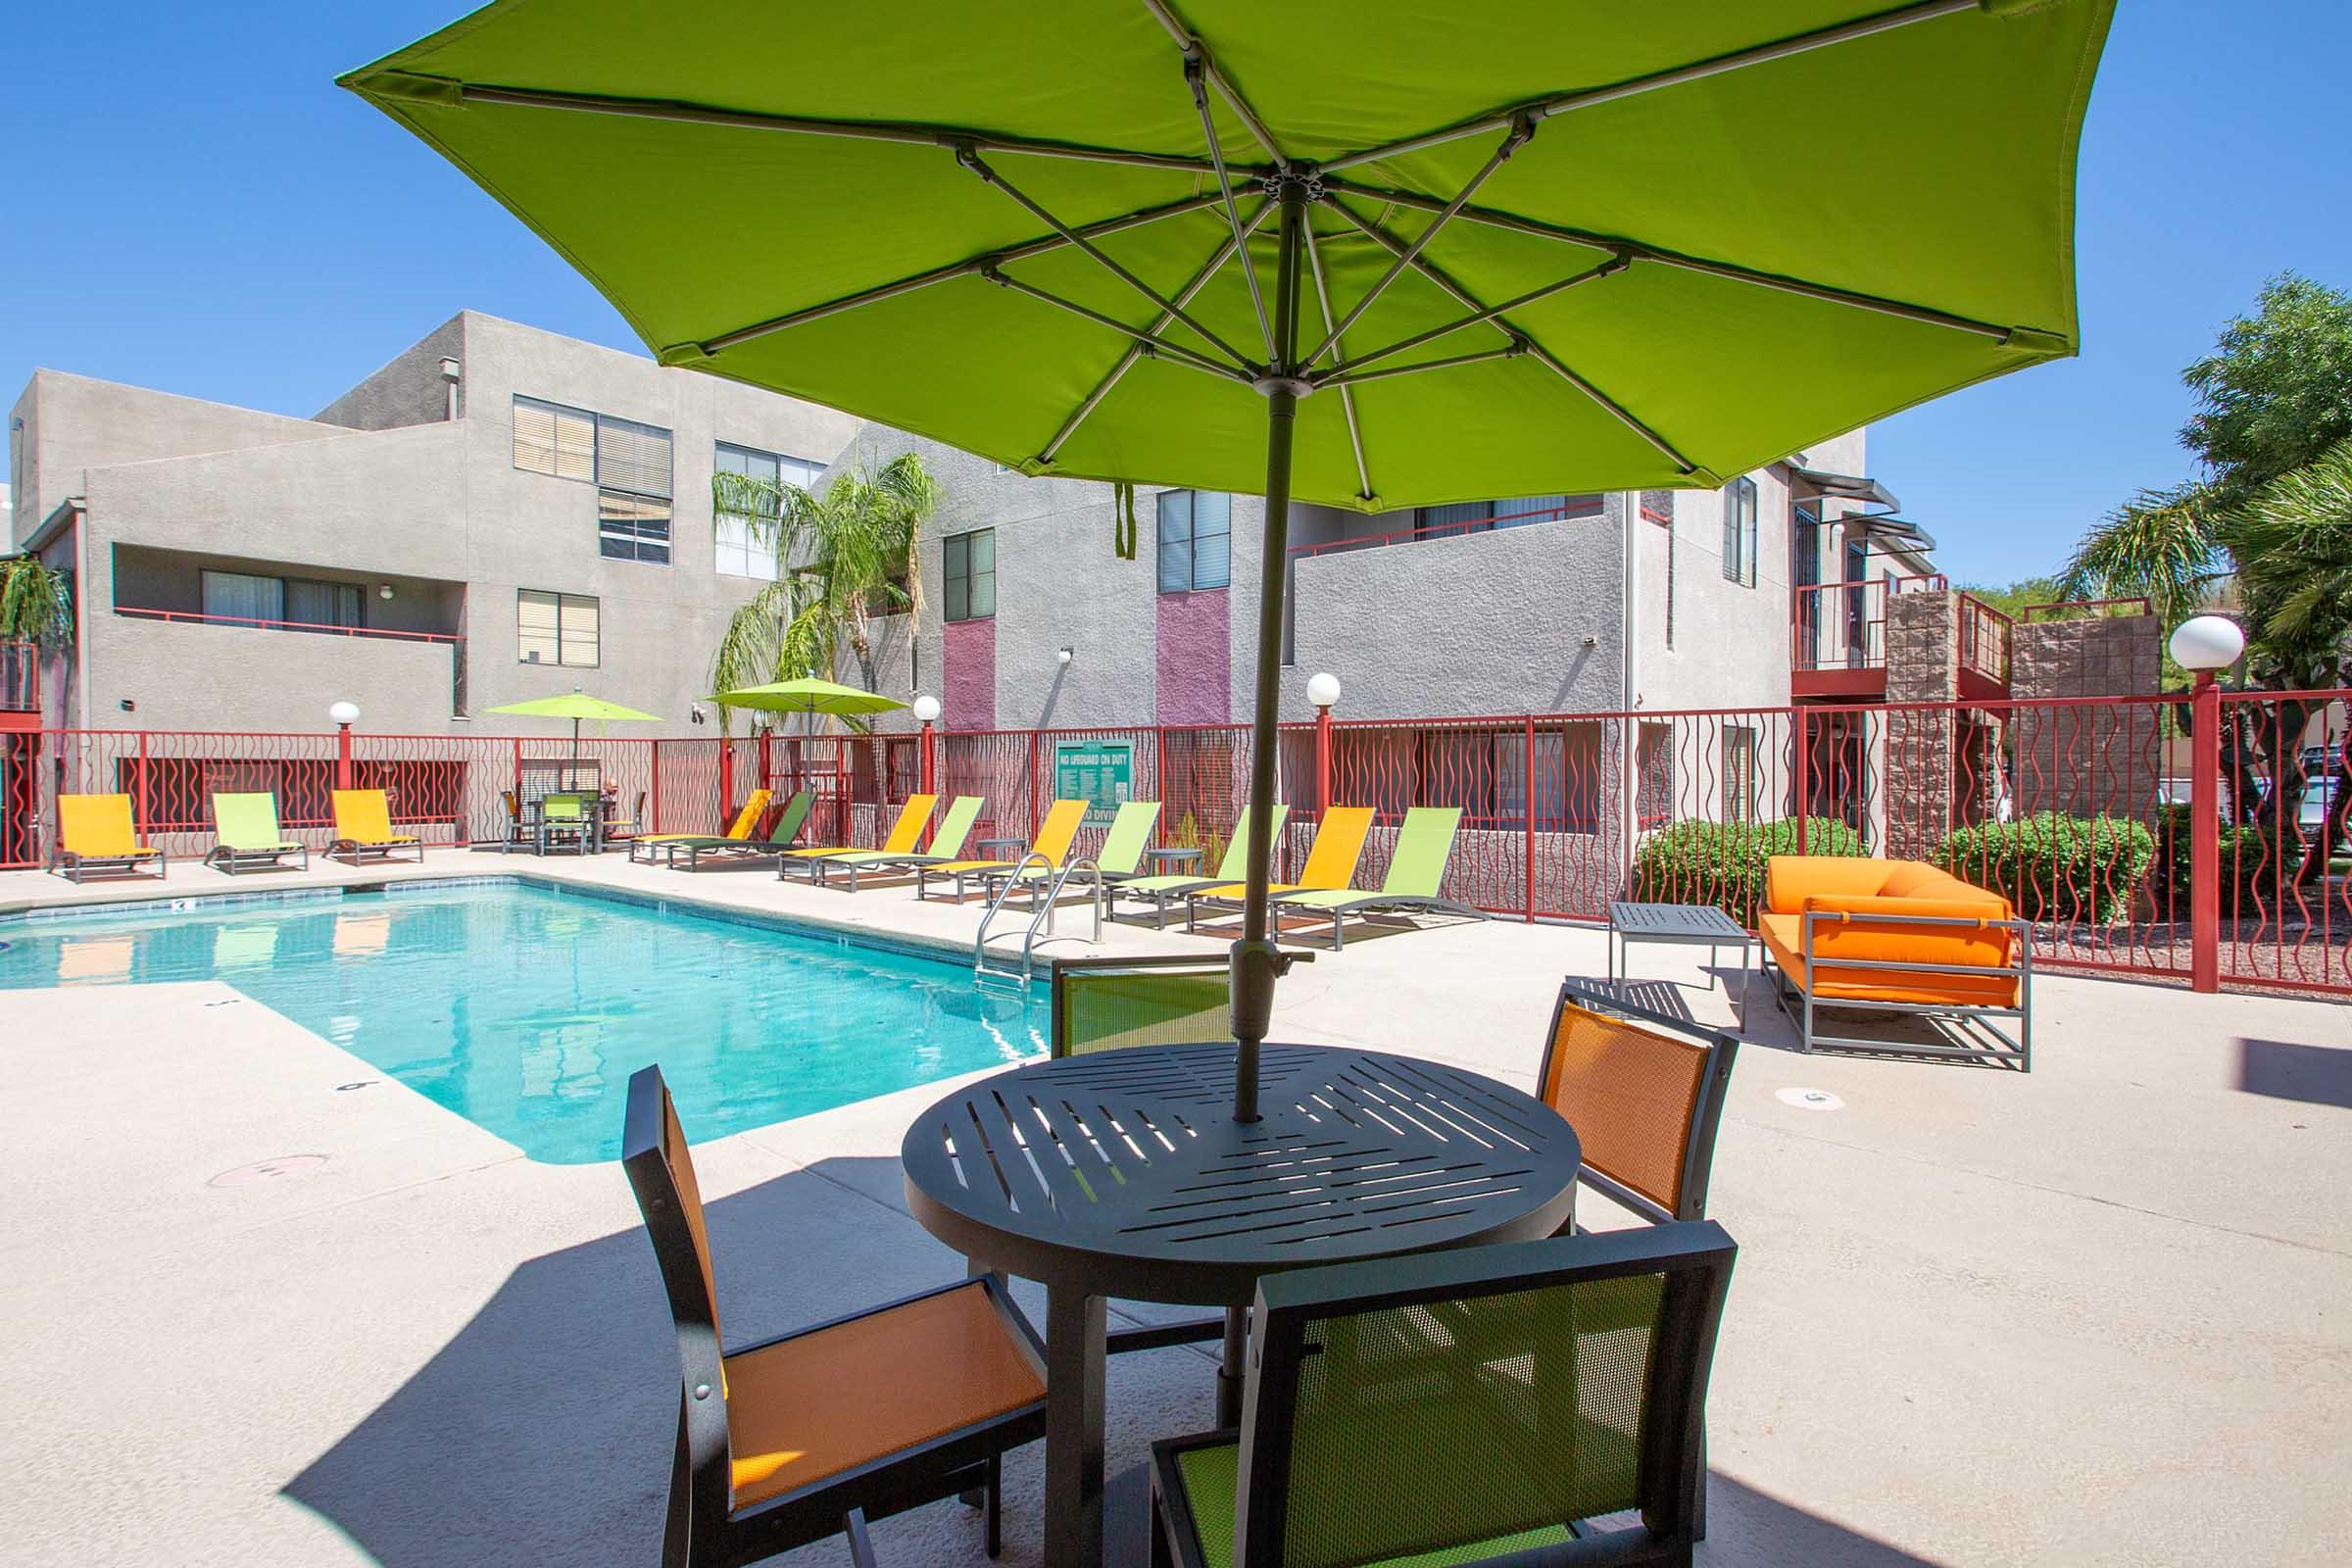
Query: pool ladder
point(1040, 908)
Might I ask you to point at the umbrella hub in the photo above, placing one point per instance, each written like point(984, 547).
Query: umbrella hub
point(1273, 381)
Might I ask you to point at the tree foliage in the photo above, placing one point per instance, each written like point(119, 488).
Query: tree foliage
point(845, 556)
point(37, 602)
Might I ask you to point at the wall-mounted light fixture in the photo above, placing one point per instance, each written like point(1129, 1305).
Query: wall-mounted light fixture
point(694, 714)
point(1065, 656)
point(384, 590)
point(129, 705)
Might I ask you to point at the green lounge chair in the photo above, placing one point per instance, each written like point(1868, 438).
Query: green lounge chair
point(1424, 843)
point(903, 833)
point(947, 842)
point(741, 828)
point(779, 838)
point(246, 837)
point(1330, 865)
point(1052, 841)
point(1119, 858)
point(1176, 885)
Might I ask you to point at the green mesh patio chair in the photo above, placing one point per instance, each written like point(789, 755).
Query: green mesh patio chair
point(1121, 856)
point(246, 836)
point(801, 1437)
point(1234, 866)
point(1416, 870)
point(1481, 1405)
point(564, 818)
point(947, 844)
point(780, 834)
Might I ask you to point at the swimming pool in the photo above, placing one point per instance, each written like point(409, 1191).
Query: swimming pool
point(525, 1010)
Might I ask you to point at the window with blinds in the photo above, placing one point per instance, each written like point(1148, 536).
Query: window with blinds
point(1740, 531)
point(556, 629)
point(632, 527)
point(747, 547)
point(628, 462)
point(1196, 540)
point(968, 573)
point(1739, 773)
point(550, 438)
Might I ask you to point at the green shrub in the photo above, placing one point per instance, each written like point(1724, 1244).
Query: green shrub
point(2054, 866)
point(2248, 856)
point(1723, 862)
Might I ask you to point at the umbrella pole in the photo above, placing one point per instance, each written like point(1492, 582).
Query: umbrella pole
point(1257, 963)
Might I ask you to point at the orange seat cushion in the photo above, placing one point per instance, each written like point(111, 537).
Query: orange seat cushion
point(822, 1403)
point(1843, 952)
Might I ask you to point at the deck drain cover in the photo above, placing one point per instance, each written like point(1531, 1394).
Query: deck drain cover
point(283, 1167)
point(1811, 1100)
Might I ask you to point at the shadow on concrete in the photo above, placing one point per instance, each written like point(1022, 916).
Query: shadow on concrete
point(2318, 1075)
point(1747, 1526)
point(1662, 997)
point(541, 1433)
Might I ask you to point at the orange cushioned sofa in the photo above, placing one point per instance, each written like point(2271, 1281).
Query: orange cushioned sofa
point(1898, 936)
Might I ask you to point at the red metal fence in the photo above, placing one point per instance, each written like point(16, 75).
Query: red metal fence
point(1561, 813)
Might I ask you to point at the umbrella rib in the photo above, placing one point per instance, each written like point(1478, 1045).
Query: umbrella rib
point(1673, 76)
point(1512, 350)
point(1136, 351)
point(906, 132)
point(1615, 264)
point(1195, 67)
point(1145, 342)
point(971, 160)
point(1550, 362)
point(971, 266)
point(1520, 131)
point(1642, 251)
point(1195, 49)
point(1339, 360)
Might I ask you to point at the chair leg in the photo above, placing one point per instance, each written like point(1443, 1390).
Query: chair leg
point(862, 1546)
point(994, 1521)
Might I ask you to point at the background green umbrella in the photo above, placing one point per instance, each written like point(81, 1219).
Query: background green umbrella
point(577, 706)
point(1368, 252)
point(809, 695)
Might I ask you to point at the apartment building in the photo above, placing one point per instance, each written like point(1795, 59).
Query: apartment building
point(496, 514)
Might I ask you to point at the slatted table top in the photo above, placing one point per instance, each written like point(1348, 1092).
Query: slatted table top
point(1123, 1172)
point(1675, 922)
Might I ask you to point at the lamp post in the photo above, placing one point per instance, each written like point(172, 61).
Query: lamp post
point(926, 709)
point(344, 716)
point(2205, 644)
point(1323, 690)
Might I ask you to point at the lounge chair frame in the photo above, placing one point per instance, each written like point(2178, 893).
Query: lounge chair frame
point(702, 1529)
point(76, 868)
point(746, 849)
point(1696, 1261)
point(655, 845)
point(221, 858)
point(860, 862)
point(1722, 1050)
point(1976, 1035)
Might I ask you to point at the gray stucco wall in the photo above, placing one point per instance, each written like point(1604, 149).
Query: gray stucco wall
point(409, 390)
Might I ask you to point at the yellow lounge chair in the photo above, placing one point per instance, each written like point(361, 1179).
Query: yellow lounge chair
point(741, 828)
point(1053, 840)
point(903, 836)
point(1330, 865)
point(363, 827)
point(94, 833)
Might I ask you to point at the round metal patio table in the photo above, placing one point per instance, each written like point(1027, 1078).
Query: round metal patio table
point(1124, 1174)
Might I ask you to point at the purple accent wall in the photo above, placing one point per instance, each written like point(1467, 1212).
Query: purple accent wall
point(968, 698)
point(1195, 659)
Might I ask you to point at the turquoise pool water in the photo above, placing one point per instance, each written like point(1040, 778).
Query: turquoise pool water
point(525, 1010)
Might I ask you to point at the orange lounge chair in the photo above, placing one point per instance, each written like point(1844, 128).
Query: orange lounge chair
point(741, 828)
point(1330, 865)
point(94, 833)
point(1898, 936)
point(363, 827)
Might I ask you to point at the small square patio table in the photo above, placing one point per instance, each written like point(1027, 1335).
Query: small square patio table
point(1122, 1173)
point(1701, 925)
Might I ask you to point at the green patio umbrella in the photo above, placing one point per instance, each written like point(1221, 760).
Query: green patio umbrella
point(577, 706)
point(809, 695)
point(1367, 253)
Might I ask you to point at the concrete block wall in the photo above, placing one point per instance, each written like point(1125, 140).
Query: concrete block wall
point(2085, 761)
point(1923, 748)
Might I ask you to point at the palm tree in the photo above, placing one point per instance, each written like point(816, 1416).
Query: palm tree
point(37, 602)
point(846, 554)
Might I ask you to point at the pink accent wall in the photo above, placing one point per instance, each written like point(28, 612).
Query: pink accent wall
point(1195, 659)
point(968, 698)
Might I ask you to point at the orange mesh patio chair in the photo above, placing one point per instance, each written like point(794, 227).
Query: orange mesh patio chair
point(1644, 1092)
point(95, 833)
point(804, 1436)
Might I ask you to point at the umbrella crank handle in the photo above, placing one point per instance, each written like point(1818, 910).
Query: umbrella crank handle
point(1254, 967)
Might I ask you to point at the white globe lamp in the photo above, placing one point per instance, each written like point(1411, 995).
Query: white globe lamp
point(344, 713)
point(2205, 643)
point(1323, 689)
point(926, 709)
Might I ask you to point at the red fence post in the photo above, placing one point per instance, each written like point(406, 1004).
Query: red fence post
point(930, 752)
point(1322, 761)
point(147, 822)
point(727, 780)
point(1526, 802)
point(1036, 783)
point(653, 816)
point(1803, 761)
point(342, 754)
point(2205, 843)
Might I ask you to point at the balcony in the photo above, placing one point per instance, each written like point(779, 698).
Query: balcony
point(1838, 648)
point(20, 683)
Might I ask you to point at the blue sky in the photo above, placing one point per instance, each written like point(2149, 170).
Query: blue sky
point(197, 208)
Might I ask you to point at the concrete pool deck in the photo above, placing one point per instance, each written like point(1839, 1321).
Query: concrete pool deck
point(2094, 1315)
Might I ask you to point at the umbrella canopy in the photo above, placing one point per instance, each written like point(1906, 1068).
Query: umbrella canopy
point(1364, 251)
point(575, 706)
point(809, 695)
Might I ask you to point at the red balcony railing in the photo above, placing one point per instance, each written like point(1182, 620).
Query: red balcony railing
point(197, 618)
point(1842, 625)
point(1576, 507)
point(1985, 634)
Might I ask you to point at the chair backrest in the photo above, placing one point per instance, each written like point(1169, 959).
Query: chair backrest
point(749, 817)
point(787, 822)
point(1059, 831)
point(506, 798)
point(364, 817)
point(96, 824)
point(1339, 844)
point(661, 1172)
point(909, 826)
point(1439, 1399)
point(563, 807)
point(1424, 843)
point(957, 826)
point(246, 822)
point(1235, 865)
point(1130, 835)
point(1111, 1003)
point(1644, 1092)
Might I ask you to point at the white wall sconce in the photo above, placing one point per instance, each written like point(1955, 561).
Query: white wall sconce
point(1065, 656)
point(384, 590)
